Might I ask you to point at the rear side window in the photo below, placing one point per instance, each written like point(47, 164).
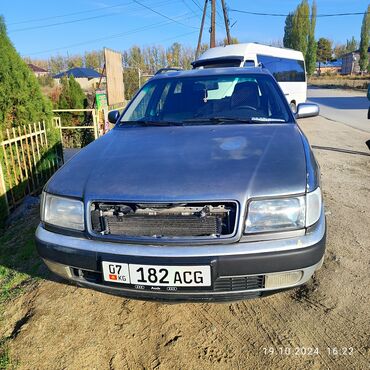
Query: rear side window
point(283, 69)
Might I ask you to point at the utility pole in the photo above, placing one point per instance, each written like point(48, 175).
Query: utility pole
point(201, 29)
point(226, 20)
point(212, 30)
point(212, 42)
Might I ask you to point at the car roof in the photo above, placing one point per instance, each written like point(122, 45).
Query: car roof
point(205, 72)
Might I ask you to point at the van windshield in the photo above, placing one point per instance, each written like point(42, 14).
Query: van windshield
point(251, 98)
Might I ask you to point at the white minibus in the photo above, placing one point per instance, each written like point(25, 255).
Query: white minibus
point(286, 65)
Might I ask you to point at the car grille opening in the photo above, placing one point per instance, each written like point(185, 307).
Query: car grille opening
point(211, 220)
point(239, 283)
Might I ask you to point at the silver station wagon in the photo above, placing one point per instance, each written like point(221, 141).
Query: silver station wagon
point(206, 189)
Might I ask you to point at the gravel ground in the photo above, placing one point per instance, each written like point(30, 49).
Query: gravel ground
point(322, 325)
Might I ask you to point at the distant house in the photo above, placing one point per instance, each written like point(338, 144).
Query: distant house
point(87, 77)
point(350, 62)
point(329, 67)
point(38, 71)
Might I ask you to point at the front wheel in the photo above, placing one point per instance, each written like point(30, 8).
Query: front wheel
point(293, 106)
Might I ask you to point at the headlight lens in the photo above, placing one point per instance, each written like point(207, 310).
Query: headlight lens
point(62, 212)
point(275, 215)
point(284, 214)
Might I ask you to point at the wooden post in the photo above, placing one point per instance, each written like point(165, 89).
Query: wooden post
point(29, 159)
point(226, 20)
point(17, 152)
point(24, 159)
point(41, 137)
point(212, 42)
point(46, 134)
point(34, 156)
point(201, 29)
point(8, 173)
point(12, 159)
point(37, 141)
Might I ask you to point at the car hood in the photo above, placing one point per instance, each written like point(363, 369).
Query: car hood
point(208, 162)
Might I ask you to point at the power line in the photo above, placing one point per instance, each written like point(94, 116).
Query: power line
point(61, 23)
point(189, 7)
point(285, 15)
point(162, 15)
point(197, 5)
point(69, 14)
point(136, 30)
point(74, 20)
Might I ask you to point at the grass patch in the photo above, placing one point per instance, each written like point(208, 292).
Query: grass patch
point(5, 362)
point(19, 265)
point(18, 259)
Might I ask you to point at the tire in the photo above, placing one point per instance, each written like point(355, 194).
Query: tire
point(293, 106)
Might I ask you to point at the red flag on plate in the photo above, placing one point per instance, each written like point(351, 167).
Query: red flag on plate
point(112, 277)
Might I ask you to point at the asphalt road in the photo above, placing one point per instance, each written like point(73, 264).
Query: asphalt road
point(345, 106)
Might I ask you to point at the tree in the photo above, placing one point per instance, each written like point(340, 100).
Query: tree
point(72, 97)
point(75, 61)
point(364, 43)
point(312, 45)
point(278, 43)
point(57, 64)
point(173, 54)
point(341, 49)
point(324, 51)
point(21, 100)
point(94, 59)
point(301, 27)
point(352, 45)
point(299, 33)
point(287, 41)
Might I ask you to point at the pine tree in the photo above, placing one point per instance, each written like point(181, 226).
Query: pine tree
point(312, 45)
point(324, 51)
point(73, 97)
point(364, 43)
point(21, 100)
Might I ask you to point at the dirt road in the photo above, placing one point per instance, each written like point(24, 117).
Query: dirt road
point(323, 325)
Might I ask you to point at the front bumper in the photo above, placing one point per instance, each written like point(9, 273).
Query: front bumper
point(235, 268)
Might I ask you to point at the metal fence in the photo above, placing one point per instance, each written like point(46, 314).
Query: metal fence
point(27, 163)
point(27, 160)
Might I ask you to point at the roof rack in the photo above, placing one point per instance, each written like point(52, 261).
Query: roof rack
point(169, 69)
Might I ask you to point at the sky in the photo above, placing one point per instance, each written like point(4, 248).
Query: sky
point(40, 29)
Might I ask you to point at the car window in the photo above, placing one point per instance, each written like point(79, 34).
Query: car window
point(182, 99)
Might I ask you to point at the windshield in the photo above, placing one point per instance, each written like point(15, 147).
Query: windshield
point(213, 99)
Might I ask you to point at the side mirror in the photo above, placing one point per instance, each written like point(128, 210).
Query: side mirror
point(305, 110)
point(113, 116)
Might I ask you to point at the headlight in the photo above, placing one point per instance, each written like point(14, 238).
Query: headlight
point(275, 215)
point(283, 214)
point(62, 212)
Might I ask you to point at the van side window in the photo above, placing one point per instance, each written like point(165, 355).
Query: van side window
point(249, 63)
point(283, 69)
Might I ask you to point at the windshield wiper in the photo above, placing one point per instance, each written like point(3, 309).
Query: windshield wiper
point(151, 123)
point(221, 120)
point(218, 120)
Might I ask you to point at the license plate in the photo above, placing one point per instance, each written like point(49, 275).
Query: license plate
point(153, 275)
